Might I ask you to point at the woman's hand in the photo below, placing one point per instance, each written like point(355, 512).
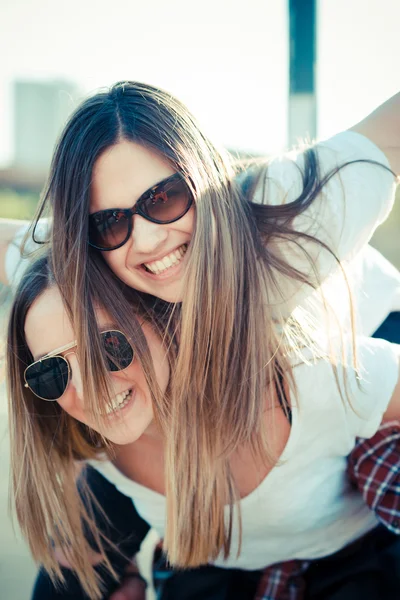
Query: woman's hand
point(8, 230)
point(132, 587)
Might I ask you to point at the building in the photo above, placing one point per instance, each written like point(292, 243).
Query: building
point(40, 111)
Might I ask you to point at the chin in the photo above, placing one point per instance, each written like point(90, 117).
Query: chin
point(171, 298)
point(123, 439)
point(173, 295)
point(169, 292)
point(123, 434)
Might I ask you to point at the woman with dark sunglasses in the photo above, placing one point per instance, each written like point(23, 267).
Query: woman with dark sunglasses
point(242, 270)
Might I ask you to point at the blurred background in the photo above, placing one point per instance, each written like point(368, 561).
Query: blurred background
point(258, 74)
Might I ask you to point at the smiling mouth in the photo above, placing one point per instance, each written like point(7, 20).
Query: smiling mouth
point(119, 402)
point(167, 262)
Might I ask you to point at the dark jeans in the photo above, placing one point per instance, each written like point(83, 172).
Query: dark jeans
point(369, 570)
point(124, 528)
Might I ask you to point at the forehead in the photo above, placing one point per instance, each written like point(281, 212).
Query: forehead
point(123, 173)
point(47, 326)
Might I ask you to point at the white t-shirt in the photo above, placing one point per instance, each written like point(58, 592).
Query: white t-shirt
point(344, 215)
point(305, 508)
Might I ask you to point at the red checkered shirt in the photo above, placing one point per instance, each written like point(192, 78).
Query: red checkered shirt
point(374, 469)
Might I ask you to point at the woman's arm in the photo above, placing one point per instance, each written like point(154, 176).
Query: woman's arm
point(343, 216)
point(12, 234)
point(382, 127)
point(8, 230)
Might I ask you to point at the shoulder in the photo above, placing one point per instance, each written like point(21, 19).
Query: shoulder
point(354, 378)
point(284, 175)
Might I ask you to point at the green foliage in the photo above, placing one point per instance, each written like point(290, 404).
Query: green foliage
point(17, 206)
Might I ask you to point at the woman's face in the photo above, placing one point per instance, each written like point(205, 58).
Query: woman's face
point(47, 328)
point(153, 260)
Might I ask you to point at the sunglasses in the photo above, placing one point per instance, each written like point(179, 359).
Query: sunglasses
point(48, 377)
point(164, 203)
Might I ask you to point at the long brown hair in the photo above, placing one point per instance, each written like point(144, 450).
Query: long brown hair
point(233, 344)
point(48, 446)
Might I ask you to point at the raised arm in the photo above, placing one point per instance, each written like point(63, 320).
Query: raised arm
point(382, 127)
point(8, 230)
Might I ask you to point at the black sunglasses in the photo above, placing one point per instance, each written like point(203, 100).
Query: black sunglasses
point(48, 377)
point(164, 203)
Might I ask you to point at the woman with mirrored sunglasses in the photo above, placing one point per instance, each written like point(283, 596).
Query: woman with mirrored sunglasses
point(45, 409)
point(47, 382)
point(240, 267)
point(78, 524)
point(67, 511)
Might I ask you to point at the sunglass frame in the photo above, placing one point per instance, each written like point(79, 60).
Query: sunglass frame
point(137, 210)
point(57, 354)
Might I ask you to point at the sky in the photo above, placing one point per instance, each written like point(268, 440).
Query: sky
point(226, 59)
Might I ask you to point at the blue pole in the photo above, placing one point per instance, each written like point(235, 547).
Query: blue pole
point(302, 63)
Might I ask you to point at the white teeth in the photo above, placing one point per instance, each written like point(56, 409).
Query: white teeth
point(167, 262)
point(119, 402)
point(159, 266)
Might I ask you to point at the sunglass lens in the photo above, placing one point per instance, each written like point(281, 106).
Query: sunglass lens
point(119, 352)
point(169, 203)
point(48, 378)
point(108, 228)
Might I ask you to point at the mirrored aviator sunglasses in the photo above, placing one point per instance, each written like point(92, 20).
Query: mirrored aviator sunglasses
point(48, 377)
point(165, 203)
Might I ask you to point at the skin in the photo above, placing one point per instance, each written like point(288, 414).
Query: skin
point(47, 328)
point(120, 176)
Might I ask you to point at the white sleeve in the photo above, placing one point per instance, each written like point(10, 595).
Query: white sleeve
point(344, 215)
point(15, 262)
point(371, 389)
point(376, 289)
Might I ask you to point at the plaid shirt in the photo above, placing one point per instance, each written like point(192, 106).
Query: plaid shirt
point(373, 468)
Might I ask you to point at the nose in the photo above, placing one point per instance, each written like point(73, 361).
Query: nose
point(147, 237)
point(76, 379)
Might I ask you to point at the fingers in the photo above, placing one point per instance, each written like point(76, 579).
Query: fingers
point(131, 588)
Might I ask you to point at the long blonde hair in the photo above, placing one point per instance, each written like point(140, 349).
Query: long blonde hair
point(49, 447)
point(231, 347)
